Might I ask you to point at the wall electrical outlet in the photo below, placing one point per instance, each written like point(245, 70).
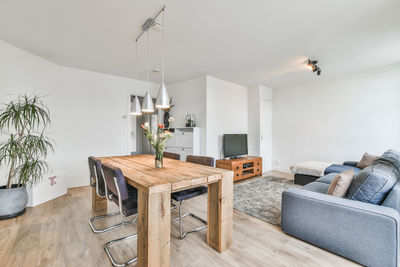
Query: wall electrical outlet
point(277, 162)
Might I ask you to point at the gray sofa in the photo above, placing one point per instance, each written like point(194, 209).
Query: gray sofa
point(363, 232)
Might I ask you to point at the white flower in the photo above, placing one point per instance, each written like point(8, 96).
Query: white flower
point(171, 120)
point(146, 125)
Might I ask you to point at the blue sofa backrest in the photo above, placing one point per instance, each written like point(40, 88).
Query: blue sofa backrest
point(392, 200)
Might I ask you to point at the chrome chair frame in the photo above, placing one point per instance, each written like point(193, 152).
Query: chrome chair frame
point(180, 217)
point(115, 241)
point(91, 220)
point(182, 234)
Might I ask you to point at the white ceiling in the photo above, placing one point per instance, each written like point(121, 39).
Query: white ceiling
point(247, 42)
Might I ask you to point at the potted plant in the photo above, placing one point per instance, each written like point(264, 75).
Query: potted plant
point(23, 122)
point(158, 139)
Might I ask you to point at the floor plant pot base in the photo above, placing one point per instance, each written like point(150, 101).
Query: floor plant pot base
point(12, 202)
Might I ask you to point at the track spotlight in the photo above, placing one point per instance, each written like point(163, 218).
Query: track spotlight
point(312, 65)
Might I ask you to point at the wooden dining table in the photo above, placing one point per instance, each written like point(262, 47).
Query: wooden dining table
point(154, 202)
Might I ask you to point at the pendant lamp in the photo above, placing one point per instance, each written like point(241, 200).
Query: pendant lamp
point(136, 109)
point(162, 97)
point(147, 106)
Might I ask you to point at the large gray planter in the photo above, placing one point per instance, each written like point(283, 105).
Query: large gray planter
point(12, 202)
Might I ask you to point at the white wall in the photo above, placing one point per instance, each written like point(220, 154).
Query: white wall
point(260, 124)
point(189, 97)
point(339, 119)
point(226, 113)
point(88, 110)
point(253, 120)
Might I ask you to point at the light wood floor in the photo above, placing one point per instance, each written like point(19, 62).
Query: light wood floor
point(57, 234)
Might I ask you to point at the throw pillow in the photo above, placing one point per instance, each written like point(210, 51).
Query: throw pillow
point(366, 160)
point(391, 157)
point(374, 182)
point(341, 183)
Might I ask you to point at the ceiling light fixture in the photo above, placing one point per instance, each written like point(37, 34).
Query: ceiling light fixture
point(136, 108)
point(312, 65)
point(148, 106)
point(162, 97)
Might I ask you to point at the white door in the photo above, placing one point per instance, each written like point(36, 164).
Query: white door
point(266, 134)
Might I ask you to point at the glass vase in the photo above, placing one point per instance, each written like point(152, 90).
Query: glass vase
point(158, 161)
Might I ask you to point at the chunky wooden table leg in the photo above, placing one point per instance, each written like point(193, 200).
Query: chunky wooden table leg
point(220, 213)
point(154, 216)
point(98, 203)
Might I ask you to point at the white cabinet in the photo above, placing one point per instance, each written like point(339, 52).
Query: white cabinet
point(170, 143)
point(186, 141)
point(184, 152)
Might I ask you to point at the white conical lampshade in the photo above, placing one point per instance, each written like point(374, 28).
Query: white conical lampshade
point(147, 105)
point(136, 109)
point(162, 97)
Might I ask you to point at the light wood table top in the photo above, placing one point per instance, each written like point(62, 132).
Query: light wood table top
point(140, 172)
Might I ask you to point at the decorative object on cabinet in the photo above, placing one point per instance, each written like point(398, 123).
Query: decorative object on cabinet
point(190, 120)
point(186, 142)
point(243, 167)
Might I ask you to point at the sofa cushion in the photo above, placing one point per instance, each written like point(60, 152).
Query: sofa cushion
point(392, 200)
point(335, 168)
point(327, 179)
point(374, 182)
point(391, 157)
point(341, 183)
point(366, 160)
point(317, 187)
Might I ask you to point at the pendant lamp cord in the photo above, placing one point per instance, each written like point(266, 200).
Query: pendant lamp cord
point(163, 47)
point(137, 67)
point(148, 60)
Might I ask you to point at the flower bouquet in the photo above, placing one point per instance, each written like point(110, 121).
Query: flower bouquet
point(157, 139)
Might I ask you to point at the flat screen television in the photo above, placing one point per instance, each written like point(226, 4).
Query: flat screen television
point(235, 145)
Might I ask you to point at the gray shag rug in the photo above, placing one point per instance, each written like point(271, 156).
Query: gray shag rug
point(262, 197)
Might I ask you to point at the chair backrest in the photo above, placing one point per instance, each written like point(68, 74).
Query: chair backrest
point(97, 175)
point(110, 172)
point(171, 155)
point(207, 161)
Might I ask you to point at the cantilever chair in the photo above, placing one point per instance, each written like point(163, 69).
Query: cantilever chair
point(181, 196)
point(171, 155)
point(97, 181)
point(126, 198)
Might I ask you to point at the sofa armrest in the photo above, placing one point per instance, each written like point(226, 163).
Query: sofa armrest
point(363, 232)
point(350, 163)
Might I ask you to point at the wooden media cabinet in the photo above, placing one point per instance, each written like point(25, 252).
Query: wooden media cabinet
point(243, 167)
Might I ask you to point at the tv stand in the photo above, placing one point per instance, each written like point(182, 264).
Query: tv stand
point(236, 157)
point(243, 168)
